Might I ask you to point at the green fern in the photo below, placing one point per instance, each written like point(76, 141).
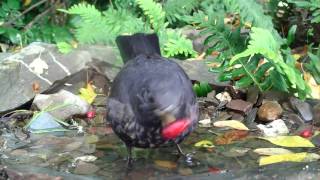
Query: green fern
point(176, 9)
point(312, 5)
point(153, 11)
point(275, 71)
point(106, 26)
point(175, 44)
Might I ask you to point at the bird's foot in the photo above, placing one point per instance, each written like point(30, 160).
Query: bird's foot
point(188, 158)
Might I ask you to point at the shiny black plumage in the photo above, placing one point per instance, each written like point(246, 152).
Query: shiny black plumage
point(147, 83)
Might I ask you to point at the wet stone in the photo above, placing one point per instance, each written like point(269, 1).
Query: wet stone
point(236, 116)
point(19, 152)
point(86, 168)
point(253, 95)
point(250, 118)
point(269, 111)
point(303, 108)
point(316, 114)
point(240, 106)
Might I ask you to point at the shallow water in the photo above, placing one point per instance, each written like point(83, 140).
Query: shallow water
point(54, 155)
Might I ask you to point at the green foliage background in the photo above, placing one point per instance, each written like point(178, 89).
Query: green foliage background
point(252, 40)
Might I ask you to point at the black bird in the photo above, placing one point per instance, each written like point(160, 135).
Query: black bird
point(151, 102)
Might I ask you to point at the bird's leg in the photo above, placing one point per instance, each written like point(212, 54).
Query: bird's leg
point(129, 158)
point(180, 150)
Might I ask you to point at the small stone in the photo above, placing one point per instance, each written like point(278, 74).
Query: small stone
point(303, 108)
point(185, 171)
point(253, 95)
point(72, 146)
point(269, 111)
point(224, 96)
point(19, 152)
point(236, 116)
point(86, 168)
point(275, 128)
point(316, 115)
point(205, 123)
point(240, 106)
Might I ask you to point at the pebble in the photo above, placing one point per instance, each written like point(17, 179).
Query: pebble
point(274, 128)
point(303, 108)
point(316, 114)
point(19, 152)
point(86, 168)
point(270, 111)
point(240, 106)
point(224, 96)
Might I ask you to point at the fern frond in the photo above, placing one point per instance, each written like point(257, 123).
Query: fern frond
point(174, 43)
point(175, 9)
point(289, 76)
point(154, 12)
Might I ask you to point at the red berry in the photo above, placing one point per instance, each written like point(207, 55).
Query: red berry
point(306, 133)
point(91, 114)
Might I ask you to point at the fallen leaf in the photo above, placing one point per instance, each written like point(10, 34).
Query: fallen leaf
point(232, 124)
point(231, 136)
point(289, 141)
point(36, 87)
point(215, 170)
point(315, 88)
point(205, 144)
point(88, 93)
point(272, 151)
point(166, 164)
point(205, 123)
point(291, 157)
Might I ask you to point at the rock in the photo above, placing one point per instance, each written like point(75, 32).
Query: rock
point(211, 98)
point(303, 108)
point(37, 64)
point(275, 128)
point(85, 168)
point(72, 146)
point(274, 95)
point(44, 121)
point(236, 116)
point(224, 96)
point(250, 118)
point(316, 115)
point(41, 65)
point(269, 111)
point(240, 106)
point(185, 171)
point(69, 104)
point(19, 152)
point(253, 95)
point(205, 123)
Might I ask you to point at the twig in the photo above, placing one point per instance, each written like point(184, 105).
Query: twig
point(26, 11)
point(39, 16)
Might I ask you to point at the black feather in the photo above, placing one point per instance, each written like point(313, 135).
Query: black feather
point(137, 44)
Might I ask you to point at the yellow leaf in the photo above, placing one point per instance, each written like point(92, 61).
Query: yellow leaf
point(88, 93)
point(166, 164)
point(292, 157)
point(204, 143)
point(272, 151)
point(315, 88)
point(26, 2)
point(289, 141)
point(232, 124)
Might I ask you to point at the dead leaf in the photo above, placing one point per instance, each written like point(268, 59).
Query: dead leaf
point(88, 93)
point(315, 88)
point(291, 157)
point(289, 141)
point(272, 151)
point(231, 136)
point(36, 87)
point(166, 164)
point(232, 124)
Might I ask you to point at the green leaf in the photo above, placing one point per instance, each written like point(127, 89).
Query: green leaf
point(64, 47)
point(291, 34)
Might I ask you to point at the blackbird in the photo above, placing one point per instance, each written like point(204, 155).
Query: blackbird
point(151, 102)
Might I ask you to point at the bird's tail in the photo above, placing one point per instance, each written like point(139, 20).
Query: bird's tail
point(134, 45)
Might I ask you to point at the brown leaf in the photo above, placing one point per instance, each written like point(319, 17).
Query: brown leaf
point(231, 136)
point(36, 87)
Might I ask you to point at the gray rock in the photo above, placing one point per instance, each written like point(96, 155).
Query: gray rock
point(303, 108)
point(41, 64)
point(85, 168)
